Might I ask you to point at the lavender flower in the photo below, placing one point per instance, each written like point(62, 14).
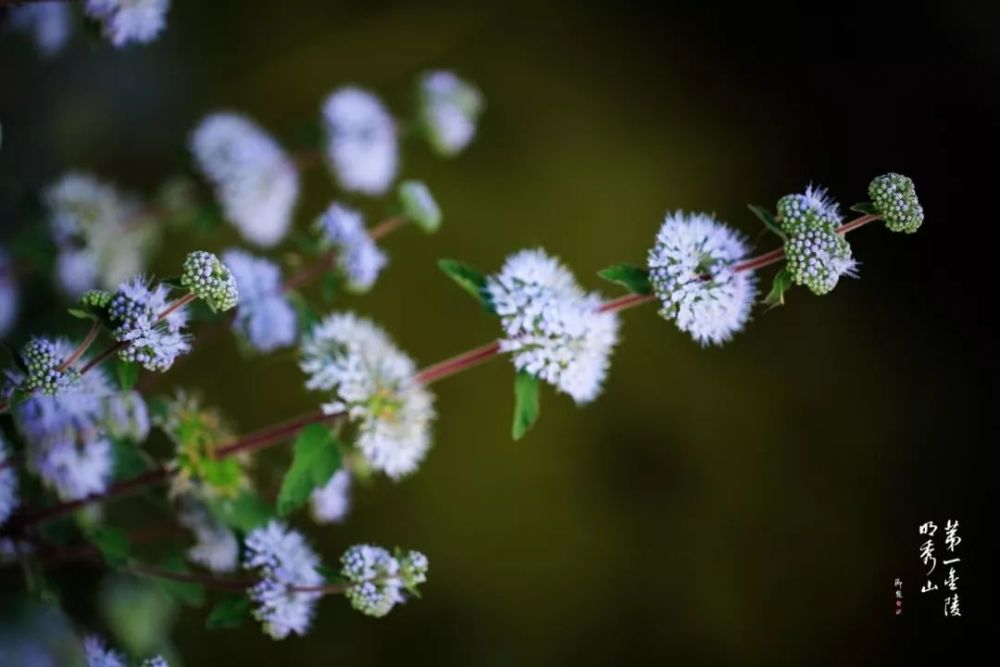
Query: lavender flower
point(135, 310)
point(552, 326)
point(358, 258)
point(449, 111)
point(210, 279)
point(8, 294)
point(98, 654)
point(49, 24)
point(125, 21)
point(283, 559)
point(361, 141)
point(8, 482)
point(265, 318)
point(370, 381)
point(127, 417)
point(255, 180)
point(691, 269)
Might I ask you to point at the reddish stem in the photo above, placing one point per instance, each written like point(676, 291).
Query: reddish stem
point(458, 363)
point(272, 435)
point(95, 328)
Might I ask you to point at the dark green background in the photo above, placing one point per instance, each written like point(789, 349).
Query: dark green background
point(750, 504)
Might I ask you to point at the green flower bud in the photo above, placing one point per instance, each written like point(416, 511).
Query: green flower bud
point(895, 199)
point(419, 206)
point(818, 257)
point(206, 276)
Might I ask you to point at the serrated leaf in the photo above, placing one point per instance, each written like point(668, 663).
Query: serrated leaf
point(315, 457)
point(865, 207)
point(526, 403)
point(781, 283)
point(767, 218)
point(127, 373)
point(468, 278)
point(113, 544)
point(633, 278)
point(185, 592)
point(243, 513)
point(229, 612)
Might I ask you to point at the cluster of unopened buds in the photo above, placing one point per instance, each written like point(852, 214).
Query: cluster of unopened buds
point(80, 429)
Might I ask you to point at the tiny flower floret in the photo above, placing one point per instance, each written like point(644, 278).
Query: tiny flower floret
point(691, 270)
point(357, 255)
point(284, 561)
point(206, 276)
point(378, 578)
point(42, 360)
point(152, 341)
point(896, 201)
point(553, 327)
point(370, 381)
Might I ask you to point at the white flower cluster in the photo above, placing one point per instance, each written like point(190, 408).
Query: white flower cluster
point(216, 547)
point(895, 199)
point(371, 382)
point(361, 141)
point(553, 327)
point(449, 111)
point(331, 502)
point(378, 578)
point(103, 236)
point(135, 310)
point(358, 257)
point(283, 560)
point(691, 270)
point(8, 482)
point(255, 181)
point(97, 654)
point(125, 21)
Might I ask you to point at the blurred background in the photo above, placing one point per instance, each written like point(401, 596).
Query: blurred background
point(745, 505)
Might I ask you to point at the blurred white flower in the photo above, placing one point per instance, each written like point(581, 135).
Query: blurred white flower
point(8, 294)
point(358, 257)
point(449, 111)
point(331, 502)
point(265, 317)
point(361, 141)
point(8, 481)
point(216, 547)
point(255, 181)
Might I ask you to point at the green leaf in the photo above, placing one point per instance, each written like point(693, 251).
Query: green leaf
point(128, 374)
point(243, 513)
point(767, 218)
point(128, 459)
point(526, 403)
point(469, 279)
point(113, 544)
point(865, 207)
point(81, 313)
point(315, 457)
point(185, 592)
point(634, 278)
point(331, 285)
point(781, 283)
point(306, 315)
point(229, 612)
